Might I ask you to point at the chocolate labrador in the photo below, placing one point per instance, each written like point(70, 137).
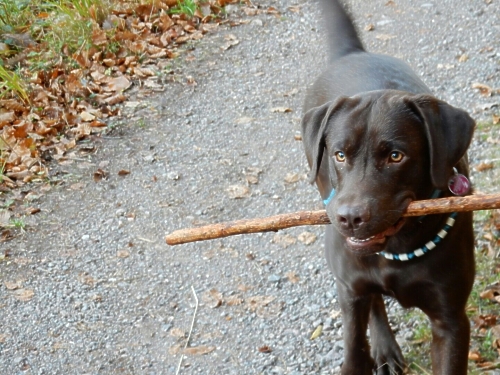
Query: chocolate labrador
point(376, 139)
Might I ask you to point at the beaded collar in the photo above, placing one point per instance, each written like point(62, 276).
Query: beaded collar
point(420, 251)
point(427, 247)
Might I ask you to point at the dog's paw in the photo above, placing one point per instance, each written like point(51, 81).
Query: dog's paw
point(389, 360)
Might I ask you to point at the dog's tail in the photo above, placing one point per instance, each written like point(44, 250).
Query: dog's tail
point(342, 36)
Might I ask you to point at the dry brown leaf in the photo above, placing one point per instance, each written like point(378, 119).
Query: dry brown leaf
point(177, 332)
point(238, 191)
point(281, 110)
point(23, 295)
point(234, 301)
point(481, 167)
point(123, 172)
point(385, 37)
point(474, 356)
point(292, 277)
point(284, 240)
point(13, 285)
point(244, 288)
point(100, 175)
point(122, 253)
point(307, 238)
point(292, 178)
point(85, 116)
point(255, 302)
point(118, 84)
point(198, 350)
point(496, 119)
point(213, 298)
point(264, 349)
point(7, 116)
point(244, 120)
point(484, 90)
point(370, 27)
point(86, 279)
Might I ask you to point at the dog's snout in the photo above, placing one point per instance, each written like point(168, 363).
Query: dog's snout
point(352, 217)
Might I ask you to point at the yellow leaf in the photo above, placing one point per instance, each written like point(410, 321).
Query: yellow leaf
point(317, 332)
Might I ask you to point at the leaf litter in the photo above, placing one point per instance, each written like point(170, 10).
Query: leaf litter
point(73, 96)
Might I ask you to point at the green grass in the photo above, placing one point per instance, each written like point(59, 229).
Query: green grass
point(187, 7)
point(12, 84)
point(18, 223)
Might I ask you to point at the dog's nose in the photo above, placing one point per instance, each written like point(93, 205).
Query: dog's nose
point(352, 217)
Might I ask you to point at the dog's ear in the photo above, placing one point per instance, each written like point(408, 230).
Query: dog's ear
point(449, 132)
point(314, 125)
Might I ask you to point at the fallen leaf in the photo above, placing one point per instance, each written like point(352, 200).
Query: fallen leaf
point(484, 90)
point(317, 332)
point(118, 84)
point(481, 167)
point(292, 277)
point(177, 332)
point(252, 175)
point(474, 356)
point(264, 349)
point(100, 175)
point(85, 116)
point(198, 350)
point(123, 172)
point(213, 298)
point(496, 119)
point(244, 288)
point(463, 58)
point(255, 302)
point(281, 110)
point(122, 253)
point(23, 295)
point(175, 349)
point(32, 210)
point(335, 314)
point(292, 178)
point(238, 191)
point(234, 301)
point(385, 37)
point(4, 218)
point(485, 321)
point(370, 27)
point(284, 240)
point(13, 285)
point(307, 238)
point(244, 120)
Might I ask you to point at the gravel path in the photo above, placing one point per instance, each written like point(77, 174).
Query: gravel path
point(92, 288)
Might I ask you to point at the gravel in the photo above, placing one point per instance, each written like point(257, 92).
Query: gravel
point(97, 290)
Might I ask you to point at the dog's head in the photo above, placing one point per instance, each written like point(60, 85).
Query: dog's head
point(379, 151)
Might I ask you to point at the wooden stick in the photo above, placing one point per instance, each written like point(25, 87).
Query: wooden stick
point(277, 222)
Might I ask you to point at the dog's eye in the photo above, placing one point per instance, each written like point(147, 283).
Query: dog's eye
point(340, 156)
point(396, 156)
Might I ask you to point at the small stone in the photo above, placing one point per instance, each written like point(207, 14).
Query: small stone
point(274, 278)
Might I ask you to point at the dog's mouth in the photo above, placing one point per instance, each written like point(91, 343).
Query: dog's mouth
point(375, 243)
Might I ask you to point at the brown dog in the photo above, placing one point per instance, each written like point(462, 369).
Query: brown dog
point(376, 139)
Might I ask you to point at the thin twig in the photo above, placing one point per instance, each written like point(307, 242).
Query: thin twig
point(190, 330)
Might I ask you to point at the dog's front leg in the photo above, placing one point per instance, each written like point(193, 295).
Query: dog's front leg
point(355, 315)
point(450, 343)
point(385, 350)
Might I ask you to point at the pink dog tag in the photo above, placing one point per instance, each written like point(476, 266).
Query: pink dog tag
point(459, 184)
